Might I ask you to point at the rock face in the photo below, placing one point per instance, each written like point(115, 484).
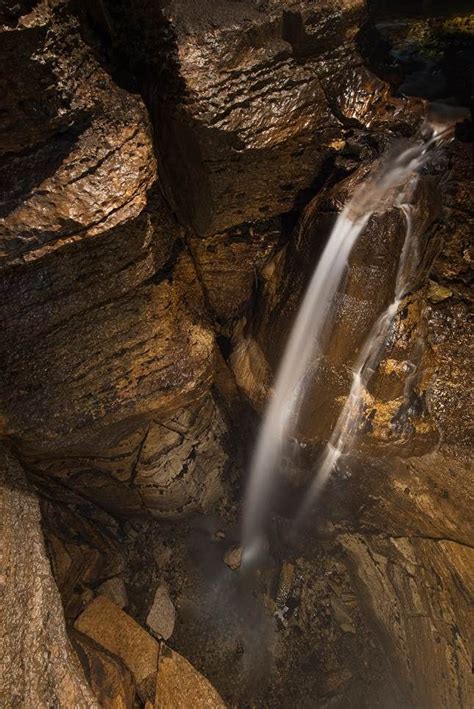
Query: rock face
point(412, 587)
point(106, 340)
point(161, 617)
point(242, 119)
point(169, 172)
point(115, 590)
point(38, 666)
point(111, 628)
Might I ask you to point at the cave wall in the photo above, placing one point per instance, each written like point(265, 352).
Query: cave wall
point(169, 171)
point(108, 351)
point(130, 248)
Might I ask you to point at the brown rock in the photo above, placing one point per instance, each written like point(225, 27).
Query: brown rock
point(90, 256)
point(118, 633)
point(367, 290)
point(37, 664)
point(162, 614)
point(181, 686)
point(229, 264)
point(83, 545)
point(115, 590)
point(233, 558)
point(79, 182)
point(241, 99)
point(107, 675)
point(417, 593)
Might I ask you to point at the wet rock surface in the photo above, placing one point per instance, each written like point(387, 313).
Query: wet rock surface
point(115, 590)
point(106, 340)
point(169, 174)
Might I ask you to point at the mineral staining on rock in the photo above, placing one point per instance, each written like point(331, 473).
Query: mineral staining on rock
point(132, 267)
point(112, 628)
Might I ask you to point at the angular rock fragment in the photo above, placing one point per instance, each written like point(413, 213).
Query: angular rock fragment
point(104, 622)
point(180, 685)
point(106, 330)
point(115, 590)
point(233, 558)
point(162, 614)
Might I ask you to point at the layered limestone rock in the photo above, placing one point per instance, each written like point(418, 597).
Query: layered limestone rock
point(241, 117)
point(116, 275)
point(248, 118)
point(407, 484)
point(108, 676)
point(417, 592)
point(106, 340)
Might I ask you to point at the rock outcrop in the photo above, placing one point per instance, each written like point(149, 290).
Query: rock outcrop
point(106, 340)
point(38, 666)
point(418, 592)
point(163, 678)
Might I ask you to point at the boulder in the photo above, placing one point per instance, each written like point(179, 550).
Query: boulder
point(109, 678)
point(112, 628)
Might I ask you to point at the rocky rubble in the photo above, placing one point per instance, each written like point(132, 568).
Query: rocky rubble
point(162, 677)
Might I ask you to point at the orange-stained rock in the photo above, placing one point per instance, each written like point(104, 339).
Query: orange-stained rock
point(109, 678)
point(181, 686)
point(118, 633)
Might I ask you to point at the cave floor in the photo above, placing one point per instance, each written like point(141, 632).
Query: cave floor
point(293, 634)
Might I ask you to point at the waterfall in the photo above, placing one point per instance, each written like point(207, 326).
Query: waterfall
point(347, 424)
point(385, 187)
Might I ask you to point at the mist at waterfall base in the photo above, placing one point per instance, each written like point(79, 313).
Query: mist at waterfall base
point(390, 184)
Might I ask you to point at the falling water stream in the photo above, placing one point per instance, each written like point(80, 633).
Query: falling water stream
point(389, 184)
point(346, 427)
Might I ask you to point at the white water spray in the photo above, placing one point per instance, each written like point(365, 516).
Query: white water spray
point(349, 419)
point(390, 179)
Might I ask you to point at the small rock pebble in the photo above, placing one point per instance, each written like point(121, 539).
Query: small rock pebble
point(233, 558)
